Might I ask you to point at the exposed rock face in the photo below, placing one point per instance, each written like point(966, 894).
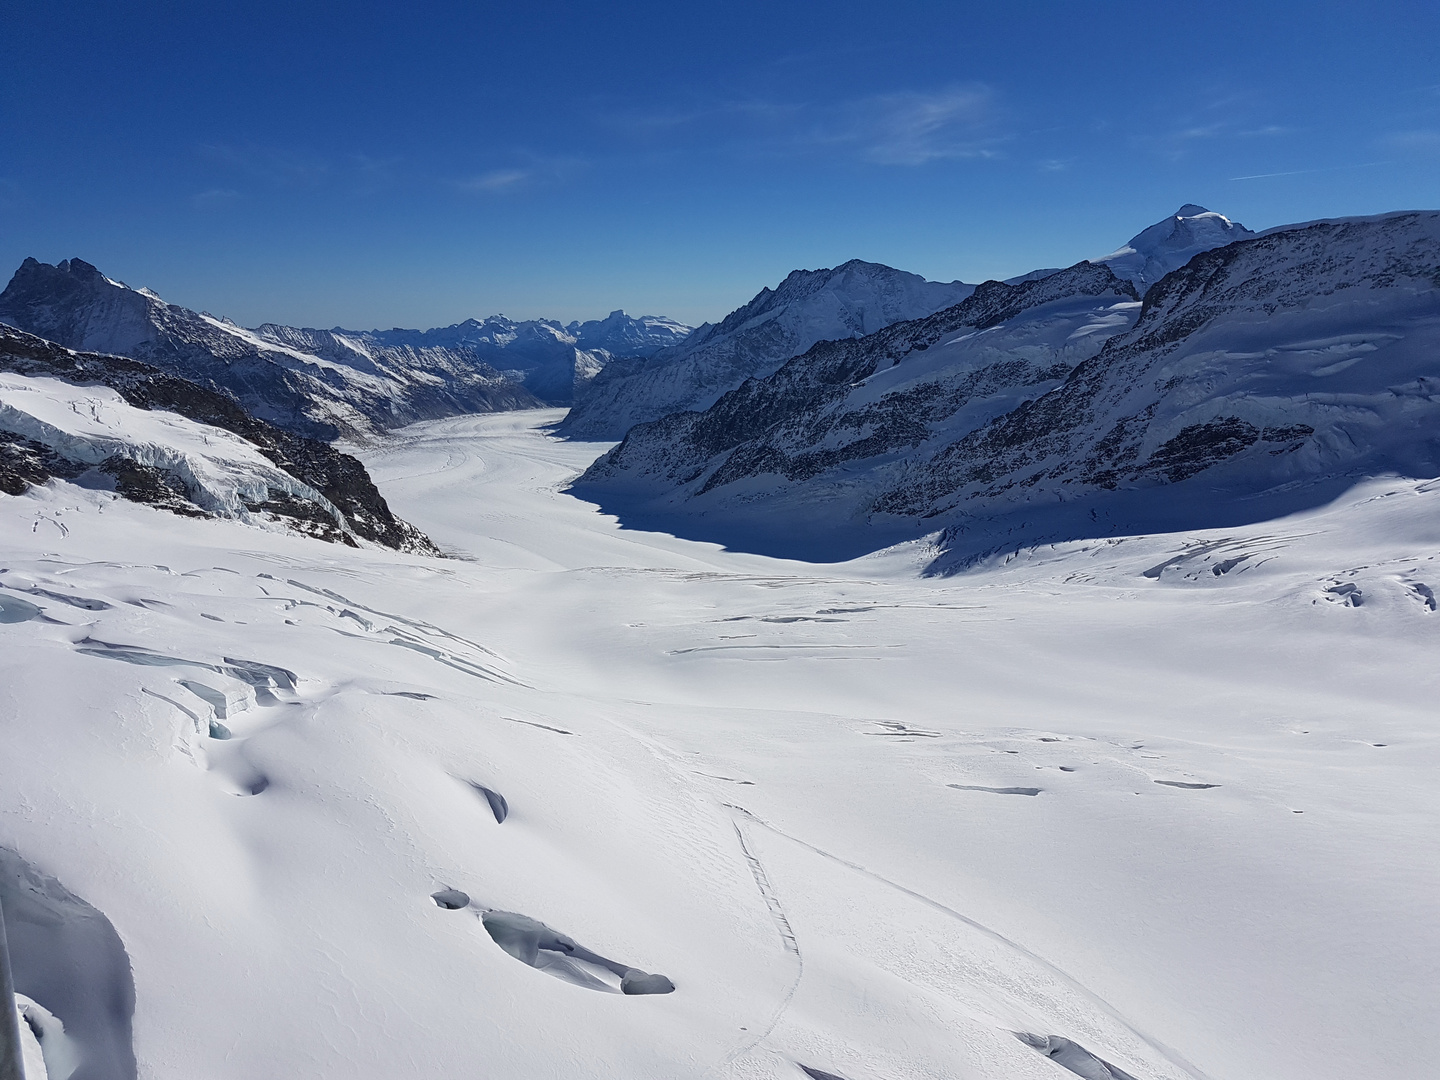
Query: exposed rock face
point(352, 391)
point(808, 416)
point(1300, 357)
point(216, 460)
point(851, 300)
point(1292, 355)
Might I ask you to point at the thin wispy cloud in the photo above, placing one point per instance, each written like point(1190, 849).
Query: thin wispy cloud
point(1217, 114)
point(1307, 172)
point(268, 165)
point(1426, 139)
point(901, 128)
point(214, 197)
point(741, 114)
point(495, 181)
point(371, 175)
point(918, 128)
point(531, 172)
point(1182, 141)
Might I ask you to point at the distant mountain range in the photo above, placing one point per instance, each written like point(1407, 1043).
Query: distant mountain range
point(1263, 374)
point(1200, 370)
point(851, 300)
point(328, 384)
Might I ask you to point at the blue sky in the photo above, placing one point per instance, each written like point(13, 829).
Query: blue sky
point(368, 164)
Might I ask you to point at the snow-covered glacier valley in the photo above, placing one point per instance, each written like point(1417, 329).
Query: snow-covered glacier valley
point(1155, 806)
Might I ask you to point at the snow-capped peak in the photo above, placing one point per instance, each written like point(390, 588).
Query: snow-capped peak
point(1170, 244)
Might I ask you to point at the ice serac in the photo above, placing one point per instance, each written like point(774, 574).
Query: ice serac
point(852, 300)
point(112, 422)
point(315, 383)
point(1170, 244)
point(1260, 378)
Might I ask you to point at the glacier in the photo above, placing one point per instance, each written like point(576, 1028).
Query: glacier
point(1029, 680)
point(779, 783)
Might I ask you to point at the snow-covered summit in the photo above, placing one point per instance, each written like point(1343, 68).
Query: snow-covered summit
point(850, 300)
point(1170, 244)
point(624, 335)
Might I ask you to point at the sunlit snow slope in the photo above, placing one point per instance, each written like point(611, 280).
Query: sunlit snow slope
point(1161, 802)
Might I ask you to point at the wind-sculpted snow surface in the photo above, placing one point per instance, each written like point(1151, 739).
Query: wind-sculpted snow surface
point(801, 796)
point(115, 423)
point(851, 300)
point(1287, 364)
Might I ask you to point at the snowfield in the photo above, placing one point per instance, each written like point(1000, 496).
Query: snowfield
point(1159, 806)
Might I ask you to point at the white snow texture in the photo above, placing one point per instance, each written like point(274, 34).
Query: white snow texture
point(586, 800)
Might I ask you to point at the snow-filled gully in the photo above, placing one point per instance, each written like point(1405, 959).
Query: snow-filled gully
point(1155, 808)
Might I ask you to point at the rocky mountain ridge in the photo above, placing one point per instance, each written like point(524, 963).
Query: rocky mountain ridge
point(327, 383)
point(1286, 363)
point(851, 300)
point(116, 423)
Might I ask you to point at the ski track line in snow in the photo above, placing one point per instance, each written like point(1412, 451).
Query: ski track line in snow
point(787, 937)
point(681, 771)
point(1173, 1056)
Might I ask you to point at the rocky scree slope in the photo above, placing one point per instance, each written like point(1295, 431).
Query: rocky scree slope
point(852, 300)
point(1290, 363)
point(314, 383)
point(114, 422)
